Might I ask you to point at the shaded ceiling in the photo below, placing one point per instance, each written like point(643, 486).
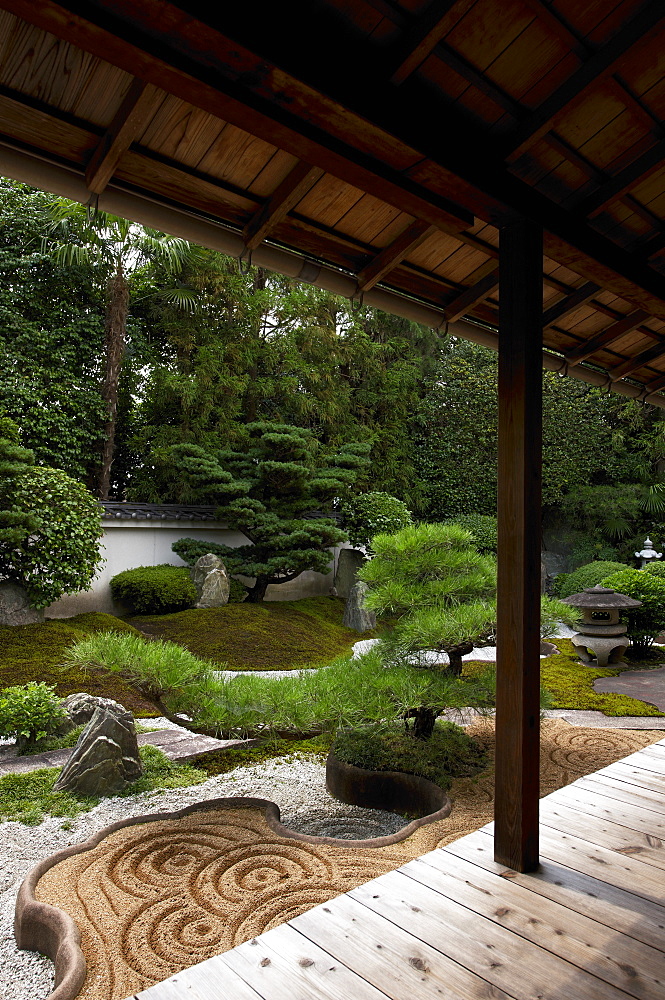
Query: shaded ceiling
point(386, 141)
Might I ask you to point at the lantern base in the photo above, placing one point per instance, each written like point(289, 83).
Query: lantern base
point(608, 649)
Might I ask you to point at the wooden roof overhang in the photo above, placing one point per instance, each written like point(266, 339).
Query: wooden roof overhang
point(386, 141)
point(379, 148)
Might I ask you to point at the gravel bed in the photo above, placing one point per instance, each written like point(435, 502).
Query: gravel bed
point(296, 784)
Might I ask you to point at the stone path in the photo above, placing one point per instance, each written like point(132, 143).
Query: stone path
point(173, 743)
point(647, 685)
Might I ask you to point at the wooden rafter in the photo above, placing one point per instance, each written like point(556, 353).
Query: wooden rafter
point(641, 359)
point(285, 197)
point(654, 386)
point(128, 123)
point(558, 26)
point(606, 337)
point(613, 189)
point(472, 296)
point(390, 256)
point(569, 303)
point(599, 65)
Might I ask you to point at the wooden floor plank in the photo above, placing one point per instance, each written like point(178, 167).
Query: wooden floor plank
point(625, 963)
point(639, 795)
point(208, 980)
point(634, 816)
point(636, 776)
point(618, 909)
point(613, 836)
point(282, 965)
point(399, 964)
point(505, 959)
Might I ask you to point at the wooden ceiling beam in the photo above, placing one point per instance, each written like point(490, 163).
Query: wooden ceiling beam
point(559, 27)
point(393, 254)
point(594, 69)
point(632, 175)
point(654, 386)
point(632, 365)
point(131, 118)
point(569, 303)
point(420, 40)
point(607, 337)
point(472, 296)
point(285, 197)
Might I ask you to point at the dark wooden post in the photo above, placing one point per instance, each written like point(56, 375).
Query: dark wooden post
point(519, 529)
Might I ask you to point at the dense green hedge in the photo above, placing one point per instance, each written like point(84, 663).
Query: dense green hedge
point(588, 575)
point(155, 590)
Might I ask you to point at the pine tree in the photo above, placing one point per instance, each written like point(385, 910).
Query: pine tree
point(16, 524)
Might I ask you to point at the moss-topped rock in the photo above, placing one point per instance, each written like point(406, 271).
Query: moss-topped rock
point(274, 635)
point(36, 652)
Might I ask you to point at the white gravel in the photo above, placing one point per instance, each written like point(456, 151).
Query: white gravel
point(297, 785)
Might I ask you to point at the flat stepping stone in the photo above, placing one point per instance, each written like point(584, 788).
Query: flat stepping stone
point(647, 685)
point(175, 745)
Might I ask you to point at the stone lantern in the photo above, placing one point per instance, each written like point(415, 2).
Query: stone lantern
point(601, 632)
point(648, 553)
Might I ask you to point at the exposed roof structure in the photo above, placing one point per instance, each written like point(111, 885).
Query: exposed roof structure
point(382, 142)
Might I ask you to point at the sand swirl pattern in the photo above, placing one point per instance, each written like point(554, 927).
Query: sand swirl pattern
point(154, 898)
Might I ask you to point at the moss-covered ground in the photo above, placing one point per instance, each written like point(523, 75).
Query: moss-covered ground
point(35, 653)
point(570, 684)
point(274, 635)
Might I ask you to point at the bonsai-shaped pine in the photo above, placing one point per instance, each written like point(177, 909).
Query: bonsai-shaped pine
point(268, 488)
point(438, 592)
point(16, 523)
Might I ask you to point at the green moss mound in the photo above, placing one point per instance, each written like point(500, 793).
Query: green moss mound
point(570, 685)
point(274, 635)
point(449, 753)
point(36, 652)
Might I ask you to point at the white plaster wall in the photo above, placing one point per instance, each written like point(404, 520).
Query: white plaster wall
point(127, 544)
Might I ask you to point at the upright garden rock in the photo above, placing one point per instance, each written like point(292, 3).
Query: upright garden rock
point(15, 607)
point(211, 581)
point(80, 707)
point(105, 759)
point(356, 615)
point(348, 564)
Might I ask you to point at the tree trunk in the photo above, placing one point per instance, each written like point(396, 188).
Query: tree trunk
point(115, 326)
point(423, 721)
point(256, 593)
point(455, 654)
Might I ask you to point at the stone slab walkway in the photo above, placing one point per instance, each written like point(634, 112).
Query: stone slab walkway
point(647, 685)
point(175, 745)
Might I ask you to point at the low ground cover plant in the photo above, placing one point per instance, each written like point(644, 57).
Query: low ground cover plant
point(273, 635)
point(449, 753)
point(27, 798)
point(154, 590)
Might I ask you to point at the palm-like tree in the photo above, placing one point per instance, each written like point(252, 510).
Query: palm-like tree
point(116, 249)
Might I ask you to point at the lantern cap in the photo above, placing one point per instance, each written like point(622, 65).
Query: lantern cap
point(603, 598)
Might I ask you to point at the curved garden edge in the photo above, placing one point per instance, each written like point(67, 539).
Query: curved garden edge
point(41, 927)
point(395, 791)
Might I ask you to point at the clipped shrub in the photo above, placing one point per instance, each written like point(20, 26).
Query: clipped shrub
point(588, 575)
point(483, 527)
point(368, 514)
point(656, 568)
point(155, 590)
point(29, 712)
point(646, 622)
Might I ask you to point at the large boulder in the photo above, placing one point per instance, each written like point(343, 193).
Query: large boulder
point(356, 615)
point(211, 581)
point(106, 758)
point(81, 707)
point(15, 606)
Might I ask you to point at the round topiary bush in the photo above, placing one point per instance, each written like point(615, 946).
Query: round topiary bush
point(588, 575)
point(61, 555)
point(29, 712)
point(646, 622)
point(368, 514)
point(657, 568)
point(155, 590)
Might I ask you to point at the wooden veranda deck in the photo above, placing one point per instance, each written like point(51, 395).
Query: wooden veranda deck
point(589, 925)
